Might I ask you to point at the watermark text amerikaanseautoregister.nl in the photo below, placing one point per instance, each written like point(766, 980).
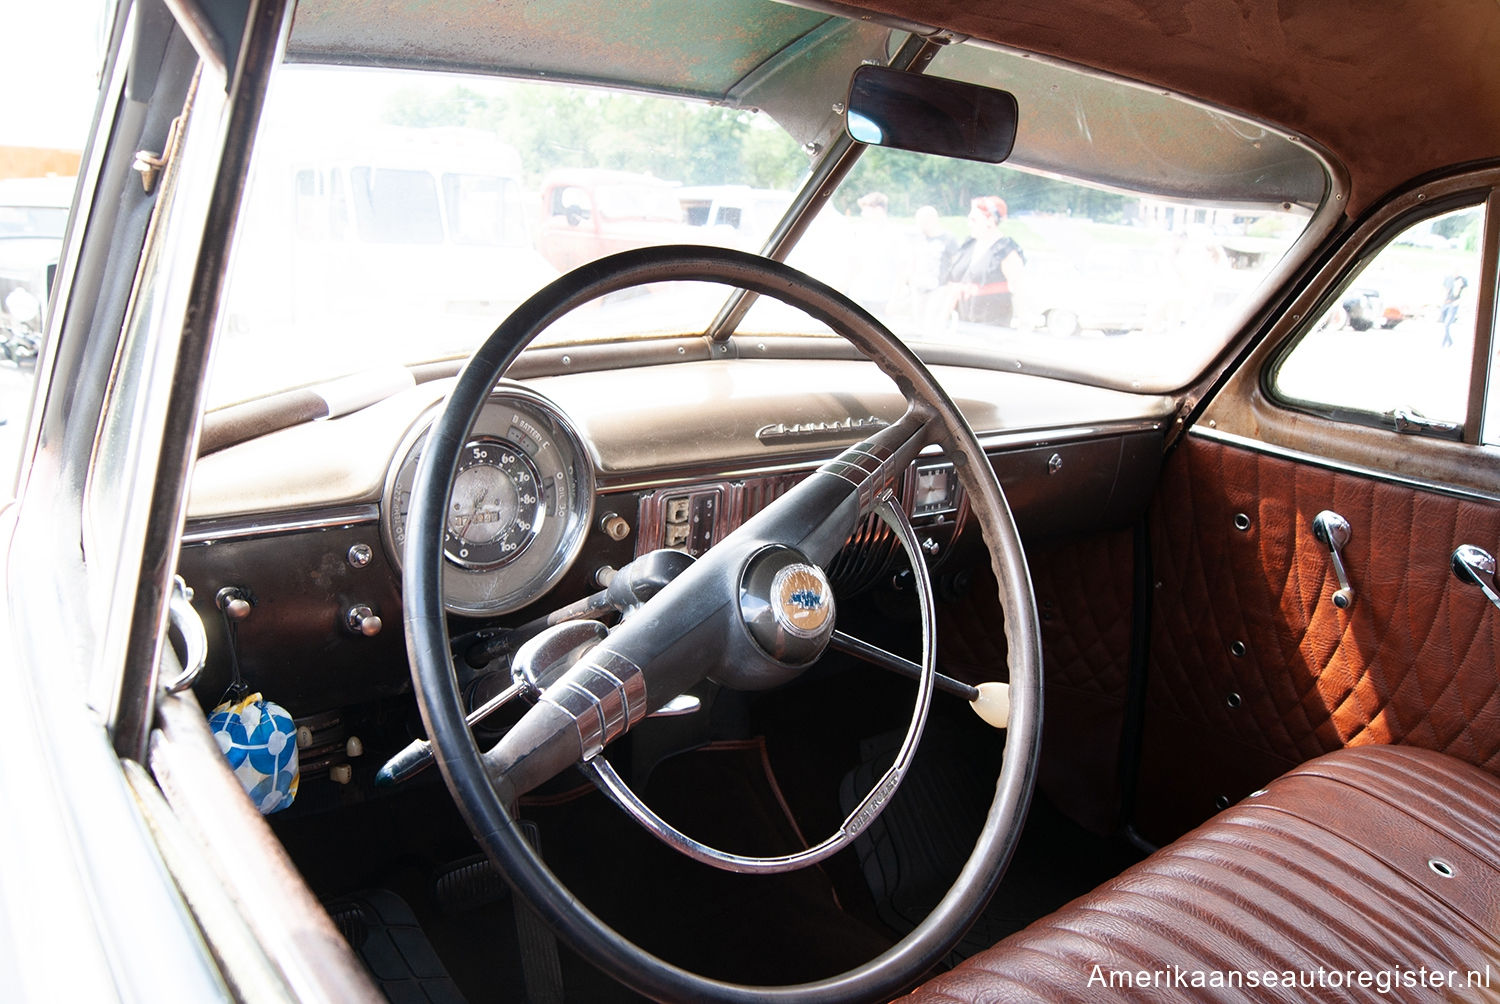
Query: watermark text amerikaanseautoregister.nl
point(1382, 981)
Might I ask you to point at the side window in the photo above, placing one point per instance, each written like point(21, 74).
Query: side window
point(1397, 343)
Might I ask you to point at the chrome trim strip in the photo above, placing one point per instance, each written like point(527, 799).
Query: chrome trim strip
point(250, 526)
point(1072, 434)
point(604, 694)
point(1326, 463)
point(994, 441)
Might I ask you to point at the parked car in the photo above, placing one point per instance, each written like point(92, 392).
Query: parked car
point(391, 224)
point(1362, 309)
point(1103, 291)
point(735, 215)
point(676, 647)
point(33, 216)
point(588, 213)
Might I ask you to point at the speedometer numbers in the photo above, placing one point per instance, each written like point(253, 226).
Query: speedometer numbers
point(497, 505)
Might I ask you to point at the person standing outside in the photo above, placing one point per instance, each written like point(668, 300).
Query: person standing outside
point(1453, 291)
point(877, 256)
point(932, 259)
point(986, 266)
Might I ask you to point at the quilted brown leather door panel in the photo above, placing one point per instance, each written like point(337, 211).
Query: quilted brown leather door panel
point(1083, 594)
point(1253, 670)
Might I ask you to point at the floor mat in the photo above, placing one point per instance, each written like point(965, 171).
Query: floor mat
point(386, 936)
point(766, 929)
point(757, 929)
point(910, 855)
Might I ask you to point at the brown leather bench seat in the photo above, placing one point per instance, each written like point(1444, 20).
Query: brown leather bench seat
point(1378, 860)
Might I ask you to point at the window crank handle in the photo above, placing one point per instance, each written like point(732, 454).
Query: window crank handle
point(1332, 531)
point(1474, 566)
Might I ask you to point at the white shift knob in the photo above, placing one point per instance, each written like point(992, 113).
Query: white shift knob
point(993, 704)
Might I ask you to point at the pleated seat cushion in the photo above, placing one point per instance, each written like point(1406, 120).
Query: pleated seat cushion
point(1372, 873)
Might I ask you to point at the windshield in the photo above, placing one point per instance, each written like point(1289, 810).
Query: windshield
point(398, 217)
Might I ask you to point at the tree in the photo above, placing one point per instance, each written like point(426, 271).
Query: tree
point(700, 144)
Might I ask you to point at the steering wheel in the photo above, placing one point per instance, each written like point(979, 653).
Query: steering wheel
point(732, 615)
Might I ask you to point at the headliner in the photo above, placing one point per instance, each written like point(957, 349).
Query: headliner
point(1392, 89)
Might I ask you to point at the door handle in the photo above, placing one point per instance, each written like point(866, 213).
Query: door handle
point(1475, 566)
point(1332, 531)
point(194, 639)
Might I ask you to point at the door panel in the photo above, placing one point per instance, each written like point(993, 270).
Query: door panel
point(1083, 588)
point(1252, 667)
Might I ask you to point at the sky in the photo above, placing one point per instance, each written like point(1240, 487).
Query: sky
point(49, 74)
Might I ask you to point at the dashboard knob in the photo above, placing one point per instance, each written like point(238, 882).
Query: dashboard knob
point(234, 601)
point(360, 619)
point(615, 526)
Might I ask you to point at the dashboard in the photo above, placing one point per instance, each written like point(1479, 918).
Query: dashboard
point(568, 477)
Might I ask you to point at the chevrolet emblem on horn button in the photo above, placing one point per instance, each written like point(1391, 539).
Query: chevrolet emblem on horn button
point(802, 600)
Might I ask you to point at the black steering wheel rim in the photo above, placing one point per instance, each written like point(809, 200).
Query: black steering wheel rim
point(441, 705)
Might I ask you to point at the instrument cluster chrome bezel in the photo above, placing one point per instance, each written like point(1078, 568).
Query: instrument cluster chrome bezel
point(481, 592)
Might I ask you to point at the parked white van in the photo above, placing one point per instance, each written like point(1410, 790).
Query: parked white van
point(409, 222)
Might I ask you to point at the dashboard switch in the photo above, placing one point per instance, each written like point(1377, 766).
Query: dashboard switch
point(360, 619)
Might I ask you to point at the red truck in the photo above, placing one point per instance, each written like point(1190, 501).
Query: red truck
point(591, 212)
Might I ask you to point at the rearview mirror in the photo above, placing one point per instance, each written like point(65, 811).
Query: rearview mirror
point(912, 111)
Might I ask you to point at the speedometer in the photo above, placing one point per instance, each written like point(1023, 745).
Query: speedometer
point(518, 509)
point(496, 508)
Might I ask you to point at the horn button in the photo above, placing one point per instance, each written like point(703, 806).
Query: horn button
point(787, 605)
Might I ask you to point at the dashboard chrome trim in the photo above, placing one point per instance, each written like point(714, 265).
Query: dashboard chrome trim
point(254, 525)
point(991, 442)
point(783, 432)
